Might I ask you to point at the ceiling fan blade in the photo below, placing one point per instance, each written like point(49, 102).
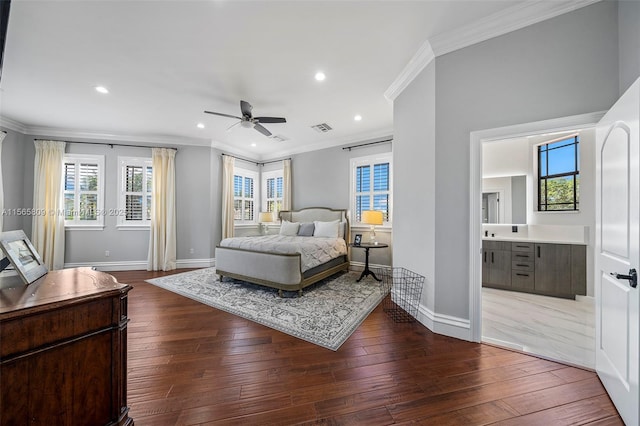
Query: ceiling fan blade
point(246, 108)
point(271, 119)
point(259, 127)
point(233, 125)
point(223, 115)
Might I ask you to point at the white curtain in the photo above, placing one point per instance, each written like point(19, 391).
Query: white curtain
point(228, 163)
point(286, 184)
point(47, 233)
point(2, 135)
point(162, 233)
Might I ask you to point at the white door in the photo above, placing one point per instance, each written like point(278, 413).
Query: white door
point(618, 253)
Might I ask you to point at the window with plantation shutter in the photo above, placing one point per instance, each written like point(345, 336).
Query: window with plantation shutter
point(83, 188)
point(371, 186)
point(244, 196)
point(272, 191)
point(135, 184)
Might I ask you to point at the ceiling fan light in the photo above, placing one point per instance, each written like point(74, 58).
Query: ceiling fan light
point(247, 124)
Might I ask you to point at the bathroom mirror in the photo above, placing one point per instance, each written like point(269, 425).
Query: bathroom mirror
point(504, 199)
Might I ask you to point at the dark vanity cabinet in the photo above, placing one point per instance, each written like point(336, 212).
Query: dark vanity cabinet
point(496, 264)
point(543, 268)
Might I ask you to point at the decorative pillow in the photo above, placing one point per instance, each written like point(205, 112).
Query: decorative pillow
point(306, 229)
point(326, 229)
point(289, 229)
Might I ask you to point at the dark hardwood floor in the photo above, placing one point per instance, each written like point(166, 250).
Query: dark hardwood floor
point(192, 364)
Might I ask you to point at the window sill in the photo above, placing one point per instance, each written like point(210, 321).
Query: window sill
point(84, 227)
point(246, 225)
point(381, 228)
point(133, 227)
point(558, 211)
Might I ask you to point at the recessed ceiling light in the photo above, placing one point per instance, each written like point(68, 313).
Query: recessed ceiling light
point(102, 89)
point(320, 76)
point(254, 144)
point(200, 126)
point(357, 117)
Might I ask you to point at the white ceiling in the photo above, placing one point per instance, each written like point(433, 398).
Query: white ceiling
point(165, 62)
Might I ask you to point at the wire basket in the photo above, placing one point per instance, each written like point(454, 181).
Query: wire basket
point(405, 289)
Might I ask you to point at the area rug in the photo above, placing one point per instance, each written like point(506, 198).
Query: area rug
point(326, 315)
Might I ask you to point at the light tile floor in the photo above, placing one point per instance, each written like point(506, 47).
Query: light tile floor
point(553, 328)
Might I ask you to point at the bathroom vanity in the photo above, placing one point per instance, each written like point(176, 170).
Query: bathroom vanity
point(534, 266)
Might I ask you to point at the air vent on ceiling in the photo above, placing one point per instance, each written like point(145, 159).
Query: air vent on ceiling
point(279, 138)
point(322, 127)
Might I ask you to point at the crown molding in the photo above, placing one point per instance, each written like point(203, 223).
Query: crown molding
point(232, 150)
point(418, 62)
point(503, 22)
point(11, 124)
point(57, 132)
point(359, 138)
point(500, 23)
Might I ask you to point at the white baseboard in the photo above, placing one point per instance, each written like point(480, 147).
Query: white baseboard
point(447, 325)
point(139, 265)
point(195, 263)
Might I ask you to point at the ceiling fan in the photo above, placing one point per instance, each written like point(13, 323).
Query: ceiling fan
point(249, 121)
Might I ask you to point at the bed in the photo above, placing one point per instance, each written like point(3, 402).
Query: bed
point(279, 261)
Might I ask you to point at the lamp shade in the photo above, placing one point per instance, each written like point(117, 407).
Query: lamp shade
point(372, 217)
point(265, 217)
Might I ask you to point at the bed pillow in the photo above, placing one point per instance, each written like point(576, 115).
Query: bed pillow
point(326, 229)
point(289, 229)
point(306, 229)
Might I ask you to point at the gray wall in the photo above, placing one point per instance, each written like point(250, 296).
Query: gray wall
point(12, 175)
point(414, 180)
point(560, 67)
point(629, 42)
point(320, 178)
point(197, 213)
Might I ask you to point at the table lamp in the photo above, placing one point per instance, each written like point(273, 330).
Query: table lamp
point(264, 218)
point(373, 218)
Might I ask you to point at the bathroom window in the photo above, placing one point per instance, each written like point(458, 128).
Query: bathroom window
point(558, 175)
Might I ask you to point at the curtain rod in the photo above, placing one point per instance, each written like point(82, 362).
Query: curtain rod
point(255, 162)
point(367, 144)
point(111, 145)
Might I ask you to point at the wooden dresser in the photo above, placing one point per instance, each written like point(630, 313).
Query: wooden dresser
point(63, 350)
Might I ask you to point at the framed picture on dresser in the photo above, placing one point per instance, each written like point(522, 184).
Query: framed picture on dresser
point(22, 255)
point(357, 240)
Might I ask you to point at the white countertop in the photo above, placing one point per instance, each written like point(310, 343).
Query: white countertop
point(531, 240)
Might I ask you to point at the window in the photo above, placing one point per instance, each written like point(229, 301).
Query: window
point(371, 186)
point(244, 198)
point(558, 175)
point(135, 184)
point(83, 187)
point(272, 191)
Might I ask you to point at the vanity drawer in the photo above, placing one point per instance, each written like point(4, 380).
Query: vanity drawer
point(522, 256)
point(519, 265)
point(522, 280)
point(496, 245)
point(526, 247)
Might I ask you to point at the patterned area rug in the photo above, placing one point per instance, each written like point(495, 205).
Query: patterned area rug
point(326, 315)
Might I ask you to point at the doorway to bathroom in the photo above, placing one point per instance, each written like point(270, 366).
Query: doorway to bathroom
point(556, 328)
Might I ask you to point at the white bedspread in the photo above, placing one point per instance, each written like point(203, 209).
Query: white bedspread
point(314, 250)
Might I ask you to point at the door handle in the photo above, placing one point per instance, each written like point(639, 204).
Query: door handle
point(632, 277)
